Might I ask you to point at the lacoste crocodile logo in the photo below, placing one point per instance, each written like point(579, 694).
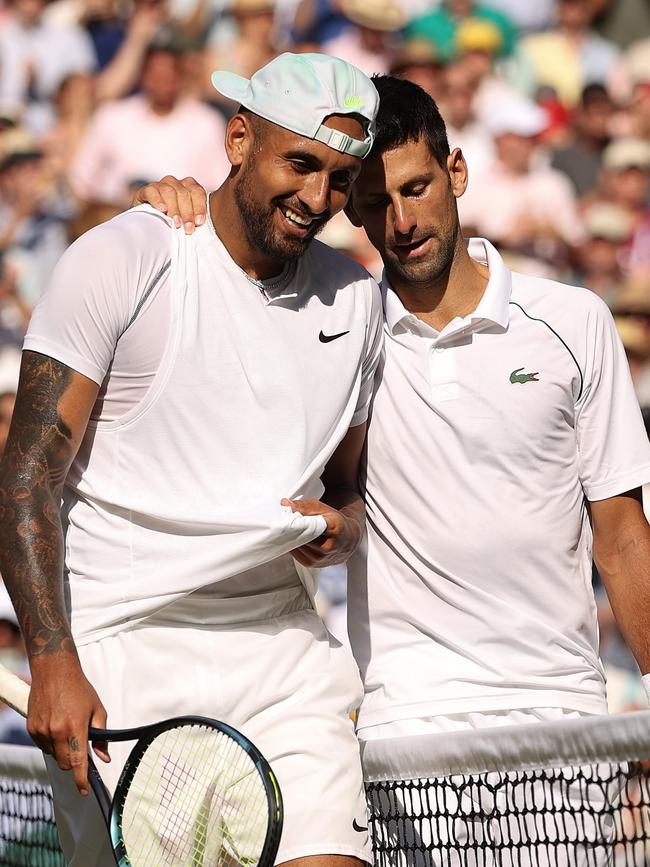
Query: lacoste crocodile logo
point(516, 376)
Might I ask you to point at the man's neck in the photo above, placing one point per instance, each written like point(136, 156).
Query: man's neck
point(229, 226)
point(454, 294)
point(162, 110)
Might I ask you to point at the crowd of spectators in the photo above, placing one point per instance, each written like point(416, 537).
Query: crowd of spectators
point(549, 100)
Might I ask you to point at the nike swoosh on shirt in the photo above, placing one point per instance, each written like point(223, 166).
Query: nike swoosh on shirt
point(355, 824)
point(327, 338)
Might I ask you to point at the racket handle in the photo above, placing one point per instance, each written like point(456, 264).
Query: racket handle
point(100, 791)
point(13, 691)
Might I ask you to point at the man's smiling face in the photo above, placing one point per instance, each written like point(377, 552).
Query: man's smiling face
point(289, 186)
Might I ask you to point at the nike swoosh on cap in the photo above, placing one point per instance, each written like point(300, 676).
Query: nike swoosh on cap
point(327, 338)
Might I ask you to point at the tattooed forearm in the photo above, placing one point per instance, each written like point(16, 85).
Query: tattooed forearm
point(39, 451)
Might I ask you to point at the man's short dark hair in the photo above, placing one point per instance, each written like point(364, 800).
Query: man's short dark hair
point(407, 114)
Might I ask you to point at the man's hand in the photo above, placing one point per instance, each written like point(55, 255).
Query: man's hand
point(186, 201)
point(62, 705)
point(339, 541)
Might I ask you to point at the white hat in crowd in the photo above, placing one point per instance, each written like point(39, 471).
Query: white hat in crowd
point(519, 117)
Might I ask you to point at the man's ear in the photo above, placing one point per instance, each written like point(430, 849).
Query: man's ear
point(239, 139)
point(351, 214)
point(457, 171)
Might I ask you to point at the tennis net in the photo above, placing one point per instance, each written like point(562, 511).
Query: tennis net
point(575, 793)
point(28, 836)
point(567, 794)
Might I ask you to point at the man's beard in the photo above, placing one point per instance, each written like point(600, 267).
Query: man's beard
point(429, 269)
point(259, 226)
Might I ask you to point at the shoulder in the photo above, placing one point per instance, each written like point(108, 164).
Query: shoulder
point(574, 310)
point(338, 269)
point(337, 278)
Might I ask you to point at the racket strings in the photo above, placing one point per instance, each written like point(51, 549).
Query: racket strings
point(196, 800)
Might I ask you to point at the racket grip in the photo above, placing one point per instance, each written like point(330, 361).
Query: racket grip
point(13, 691)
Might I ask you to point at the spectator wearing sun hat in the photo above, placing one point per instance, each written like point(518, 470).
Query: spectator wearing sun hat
point(419, 61)
point(536, 212)
point(600, 258)
point(371, 40)
point(441, 24)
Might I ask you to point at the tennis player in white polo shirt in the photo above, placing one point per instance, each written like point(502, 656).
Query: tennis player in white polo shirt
point(505, 447)
point(206, 398)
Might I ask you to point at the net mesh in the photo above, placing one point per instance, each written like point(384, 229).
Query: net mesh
point(28, 836)
point(552, 795)
point(591, 815)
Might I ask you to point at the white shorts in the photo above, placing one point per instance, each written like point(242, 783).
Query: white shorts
point(284, 682)
point(483, 822)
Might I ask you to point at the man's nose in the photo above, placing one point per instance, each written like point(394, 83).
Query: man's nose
point(403, 218)
point(315, 194)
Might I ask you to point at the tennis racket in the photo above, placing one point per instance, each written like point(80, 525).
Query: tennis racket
point(194, 792)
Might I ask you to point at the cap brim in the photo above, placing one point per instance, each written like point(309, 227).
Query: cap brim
point(230, 85)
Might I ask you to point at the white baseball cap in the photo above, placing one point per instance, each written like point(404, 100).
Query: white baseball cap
point(299, 91)
point(519, 117)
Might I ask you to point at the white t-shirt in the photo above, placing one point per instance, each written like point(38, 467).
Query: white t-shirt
point(485, 443)
point(218, 398)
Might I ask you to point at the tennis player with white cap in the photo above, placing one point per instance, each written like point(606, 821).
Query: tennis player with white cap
point(200, 403)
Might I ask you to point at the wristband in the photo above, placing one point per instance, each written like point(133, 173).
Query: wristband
point(646, 685)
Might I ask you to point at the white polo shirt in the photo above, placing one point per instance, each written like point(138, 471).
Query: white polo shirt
point(485, 443)
point(219, 397)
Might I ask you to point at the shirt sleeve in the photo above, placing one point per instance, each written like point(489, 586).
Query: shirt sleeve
point(374, 346)
point(95, 290)
point(613, 447)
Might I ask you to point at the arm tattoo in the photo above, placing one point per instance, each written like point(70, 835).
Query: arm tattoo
point(35, 463)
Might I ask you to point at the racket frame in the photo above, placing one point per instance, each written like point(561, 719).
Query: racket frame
point(144, 736)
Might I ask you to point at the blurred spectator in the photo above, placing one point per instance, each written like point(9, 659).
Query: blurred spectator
point(464, 129)
point(317, 22)
point(253, 44)
point(478, 43)
point(640, 110)
point(32, 217)
point(36, 57)
point(632, 315)
point(571, 55)
point(12, 655)
point(372, 38)
point(625, 181)
point(519, 202)
point(592, 119)
point(9, 370)
point(14, 317)
point(623, 20)
point(633, 68)
point(440, 25)
point(74, 104)
point(600, 258)
point(527, 15)
point(418, 61)
point(157, 132)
